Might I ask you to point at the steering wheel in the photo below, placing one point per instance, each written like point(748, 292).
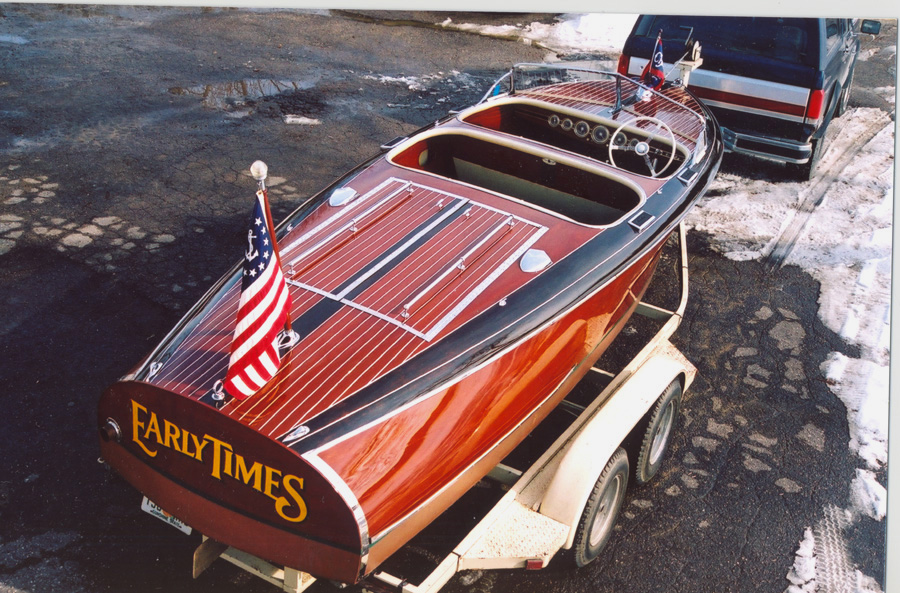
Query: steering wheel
point(643, 148)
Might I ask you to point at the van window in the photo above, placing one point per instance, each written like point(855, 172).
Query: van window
point(832, 32)
point(786, 39)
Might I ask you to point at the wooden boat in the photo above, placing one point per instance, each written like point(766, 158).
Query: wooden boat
point(447, 295)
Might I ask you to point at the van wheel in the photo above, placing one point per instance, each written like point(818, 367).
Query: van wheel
point(808, 170)
point(602, 508)
point(844, 97)
point(658, 433)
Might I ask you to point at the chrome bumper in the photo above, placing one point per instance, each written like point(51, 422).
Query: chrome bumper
point(785, 151)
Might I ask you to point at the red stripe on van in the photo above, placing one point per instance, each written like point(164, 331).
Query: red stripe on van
point(747, 101)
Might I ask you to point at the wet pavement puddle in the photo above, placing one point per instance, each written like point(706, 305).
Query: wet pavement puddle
point(236, 95)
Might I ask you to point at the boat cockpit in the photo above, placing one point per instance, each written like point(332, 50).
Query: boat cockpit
point(642, 145)
point(585, 145)
point(545, 178)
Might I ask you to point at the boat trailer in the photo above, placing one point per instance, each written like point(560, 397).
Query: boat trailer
point(570, 497)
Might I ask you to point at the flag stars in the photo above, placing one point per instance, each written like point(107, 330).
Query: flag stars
point(260, 254)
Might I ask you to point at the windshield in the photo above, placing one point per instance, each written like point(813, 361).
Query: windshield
point(784, 39)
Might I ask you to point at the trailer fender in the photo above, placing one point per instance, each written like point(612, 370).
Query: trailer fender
point(591, 447)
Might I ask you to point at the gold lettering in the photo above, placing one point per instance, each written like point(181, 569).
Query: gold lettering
point(227, 463)
point(281, 502)
point(271, 482)
point(218, 446)
point(290, 506)
point(198, 446)
point(255, 473)
point(153, 426)
point(173, 433)
point(137, 425)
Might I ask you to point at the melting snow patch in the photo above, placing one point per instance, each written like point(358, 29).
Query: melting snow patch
point(822, 562)
point(868, 496)
point(863, 386)
point(412, 83)
point(14, 39)
point(580, 33)
point(803, 574)
point(301, 120)
point(487, 30)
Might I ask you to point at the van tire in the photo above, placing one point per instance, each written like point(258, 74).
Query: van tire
point(844, 97)
point(601, 510)
point(808, 170)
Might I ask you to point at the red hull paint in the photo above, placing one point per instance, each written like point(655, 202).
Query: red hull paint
point(427, 353)
point(421, 459)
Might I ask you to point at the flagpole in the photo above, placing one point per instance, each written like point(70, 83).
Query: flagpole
point(259, 170)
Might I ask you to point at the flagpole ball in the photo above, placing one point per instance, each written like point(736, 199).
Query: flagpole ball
point(259, 170)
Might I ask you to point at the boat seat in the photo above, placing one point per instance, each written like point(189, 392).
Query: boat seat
point(580, 194)
point(568, 205)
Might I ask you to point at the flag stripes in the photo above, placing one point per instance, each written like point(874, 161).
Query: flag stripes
point(262, 311)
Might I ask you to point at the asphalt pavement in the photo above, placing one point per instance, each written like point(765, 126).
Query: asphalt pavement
point(126, 136)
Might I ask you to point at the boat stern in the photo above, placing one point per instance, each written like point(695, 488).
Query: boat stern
point(230, 482)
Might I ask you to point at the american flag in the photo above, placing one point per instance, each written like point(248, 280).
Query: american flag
point(263, 310)
point(653, 75)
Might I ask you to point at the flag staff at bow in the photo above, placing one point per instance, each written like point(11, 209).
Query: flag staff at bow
point(263, 319)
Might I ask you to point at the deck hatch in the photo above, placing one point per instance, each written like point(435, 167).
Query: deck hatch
point(424, 255)
point(641, 220)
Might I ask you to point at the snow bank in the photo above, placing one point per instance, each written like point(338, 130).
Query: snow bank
point(868, 496)
point(585, 33)
point(863, 386)
point(846, 246)
point(572, 33)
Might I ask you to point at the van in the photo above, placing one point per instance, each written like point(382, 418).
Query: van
point(774, 84)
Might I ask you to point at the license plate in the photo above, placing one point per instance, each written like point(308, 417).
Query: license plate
point(149, 506)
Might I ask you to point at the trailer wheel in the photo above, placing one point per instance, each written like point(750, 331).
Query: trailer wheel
point(602, 508)
point(658, 433)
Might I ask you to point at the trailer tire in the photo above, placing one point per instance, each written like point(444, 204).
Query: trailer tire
point(599, 515)
point(658, 433)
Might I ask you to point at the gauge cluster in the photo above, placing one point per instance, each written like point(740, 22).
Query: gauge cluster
point(597, 133)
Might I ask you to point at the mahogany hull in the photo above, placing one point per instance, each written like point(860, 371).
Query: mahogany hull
point(236, 486)
point(430, 342)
